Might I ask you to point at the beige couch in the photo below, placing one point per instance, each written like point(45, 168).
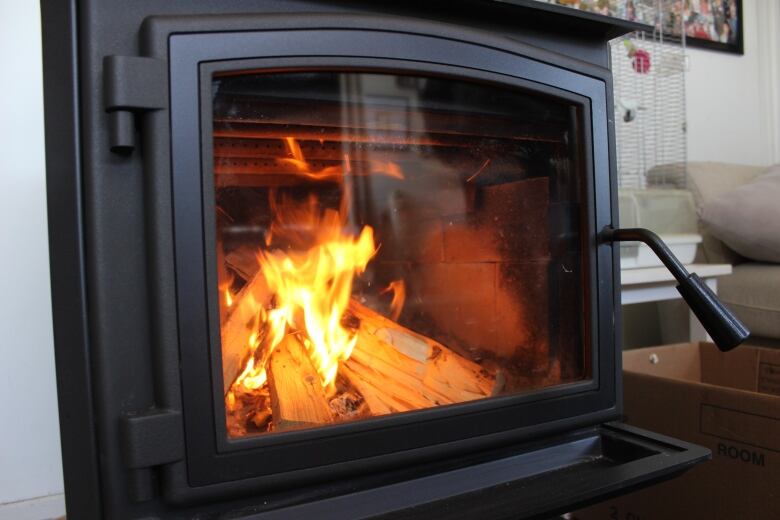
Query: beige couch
point(752, 291)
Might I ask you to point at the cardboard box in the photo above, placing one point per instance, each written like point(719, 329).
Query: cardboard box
point(728, 402)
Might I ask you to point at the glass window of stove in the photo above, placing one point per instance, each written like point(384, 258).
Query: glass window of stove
point(389, 243)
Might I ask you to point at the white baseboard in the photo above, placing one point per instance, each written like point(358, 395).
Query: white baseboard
point(42, 508)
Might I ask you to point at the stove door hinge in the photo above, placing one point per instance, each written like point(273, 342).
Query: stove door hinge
point(152, 438)
point(131, 85)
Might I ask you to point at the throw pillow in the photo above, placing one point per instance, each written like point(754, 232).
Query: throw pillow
point(747, 218)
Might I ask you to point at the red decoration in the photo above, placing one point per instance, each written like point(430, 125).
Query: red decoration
point(641, 61)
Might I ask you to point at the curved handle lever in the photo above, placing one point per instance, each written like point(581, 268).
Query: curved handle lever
point(726, 330)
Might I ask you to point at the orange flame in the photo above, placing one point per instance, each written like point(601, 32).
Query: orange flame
point(253, 377)
point(224, 287)
point(309, 265)
point(311, 279)
point(398, 288)
point(336, 172)
point(303, 168)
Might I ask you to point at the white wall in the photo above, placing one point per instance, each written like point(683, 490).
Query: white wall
point(30, 464)
point(732, 101)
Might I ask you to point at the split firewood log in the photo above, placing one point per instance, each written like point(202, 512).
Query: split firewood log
point(243, 261)
point(239, 325)
point(397, 369)
point(379, 401)
point(298, 399)
point(449, 366)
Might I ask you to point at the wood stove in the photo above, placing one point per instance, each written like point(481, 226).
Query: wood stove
point(333, 259)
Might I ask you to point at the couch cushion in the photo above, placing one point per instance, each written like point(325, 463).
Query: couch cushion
point(706, 180)
point(747, 218)
point(752, 291)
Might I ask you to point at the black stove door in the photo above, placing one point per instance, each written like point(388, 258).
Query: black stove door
point(385, 246)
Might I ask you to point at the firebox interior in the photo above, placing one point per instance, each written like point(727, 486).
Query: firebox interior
point(387, 243)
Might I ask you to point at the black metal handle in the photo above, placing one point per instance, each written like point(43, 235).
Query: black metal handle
point(726, 330)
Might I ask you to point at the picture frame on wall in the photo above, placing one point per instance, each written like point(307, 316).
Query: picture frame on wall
point(708, 24)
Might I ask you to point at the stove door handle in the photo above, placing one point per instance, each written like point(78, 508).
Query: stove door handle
point(725, 328)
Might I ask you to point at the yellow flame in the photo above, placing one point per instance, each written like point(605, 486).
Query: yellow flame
point(225, 284)
point(252, 378)
point(311, 286)
point(309, 263)
point(312, 291)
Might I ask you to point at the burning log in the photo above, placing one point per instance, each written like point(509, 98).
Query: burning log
point(397, 369)
point(450, 368)
point(243, 261)
point(378, 400)
point(247, 410)
point(241, 322)
point(297, 397)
